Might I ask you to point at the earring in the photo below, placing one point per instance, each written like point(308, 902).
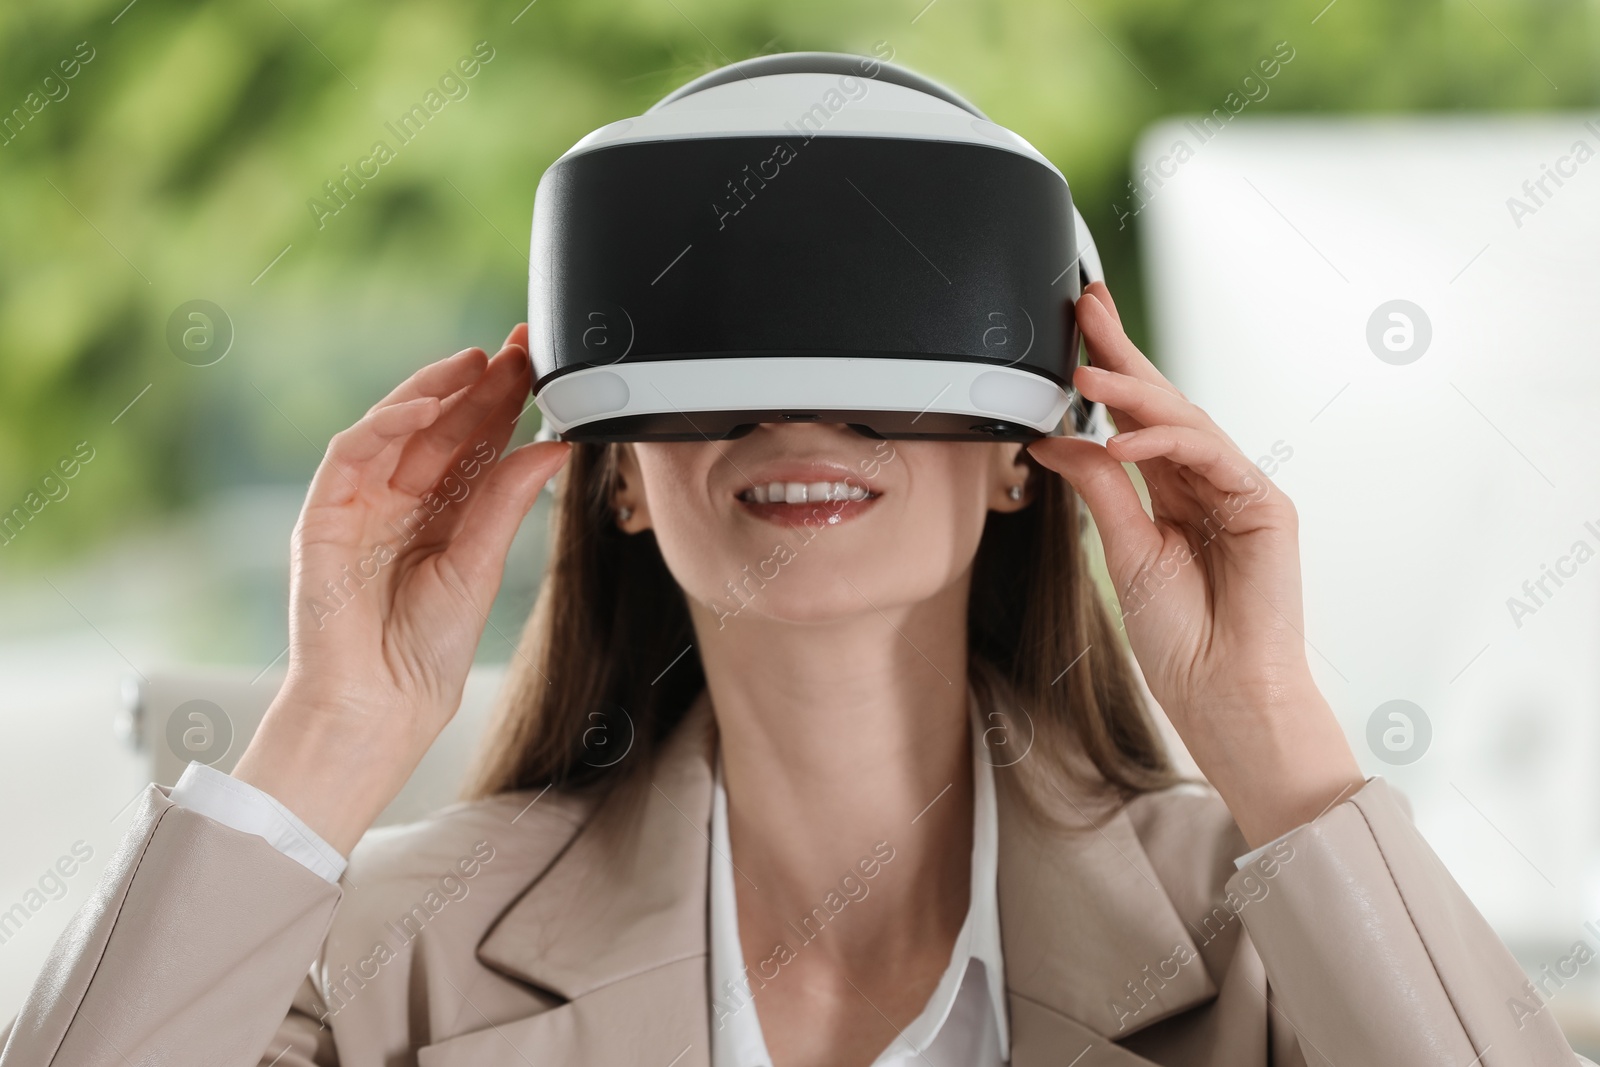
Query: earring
point(1015, 492)
point(625, 513)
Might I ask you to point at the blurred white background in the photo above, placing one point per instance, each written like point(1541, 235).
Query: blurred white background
point(1432, 479)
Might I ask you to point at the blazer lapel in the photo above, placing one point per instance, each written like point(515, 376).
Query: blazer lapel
point(618, 927)
point(1093, 948)
point(1042, 1036)
point(655, 1017)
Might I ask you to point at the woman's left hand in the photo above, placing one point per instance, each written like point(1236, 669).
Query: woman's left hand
point(1209, 584)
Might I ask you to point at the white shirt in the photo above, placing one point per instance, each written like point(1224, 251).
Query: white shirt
point(964, 1023)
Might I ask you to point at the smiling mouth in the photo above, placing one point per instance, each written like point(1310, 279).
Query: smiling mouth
point(805, 493)
point(808, 504)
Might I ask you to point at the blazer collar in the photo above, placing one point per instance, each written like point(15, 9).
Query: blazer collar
point(1091, 942)
point(1088, 932)
point(629, 893)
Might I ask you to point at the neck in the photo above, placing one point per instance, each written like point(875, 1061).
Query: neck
point(836, 737)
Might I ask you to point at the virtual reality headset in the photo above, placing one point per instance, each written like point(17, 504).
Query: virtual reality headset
point(807, 237)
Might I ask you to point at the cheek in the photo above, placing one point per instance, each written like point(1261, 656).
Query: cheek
point(694, 541)
point(928, 540)
point(694, 538)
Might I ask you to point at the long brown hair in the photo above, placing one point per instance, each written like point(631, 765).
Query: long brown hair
point(606, 665)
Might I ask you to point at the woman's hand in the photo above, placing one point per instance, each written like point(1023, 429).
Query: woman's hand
point(395, 561)
point(1209, 587)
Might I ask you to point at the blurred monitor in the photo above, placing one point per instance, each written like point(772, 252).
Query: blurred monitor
point(1396, 318)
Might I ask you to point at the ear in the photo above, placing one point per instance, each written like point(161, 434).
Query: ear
point(1012, 482)
point(627, 494)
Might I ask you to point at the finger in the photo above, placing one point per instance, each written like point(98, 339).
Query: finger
point(477, 554)
point(1208, 454)
point(427, 455)
point(1121, 420)
point(342, 466)
point(518, 336)
point(1139, 403)
point(1109, 346)
point(496, 429)
point(480, 452)
point(1128, 534)
point(439, 379)
point(1102, 293)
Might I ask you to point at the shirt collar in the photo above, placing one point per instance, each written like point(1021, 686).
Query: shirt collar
point(736, 1039)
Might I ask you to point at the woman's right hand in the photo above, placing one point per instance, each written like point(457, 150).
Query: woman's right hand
point(395, 561)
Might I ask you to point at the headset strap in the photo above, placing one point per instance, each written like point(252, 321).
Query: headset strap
point(1086, 418)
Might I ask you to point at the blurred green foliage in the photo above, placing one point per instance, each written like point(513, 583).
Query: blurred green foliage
point(178, 160)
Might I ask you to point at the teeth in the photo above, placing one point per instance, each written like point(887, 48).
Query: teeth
point(803, 492)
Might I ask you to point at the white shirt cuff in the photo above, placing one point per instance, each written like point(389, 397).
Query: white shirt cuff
point(240, 805)
point(1254, 854)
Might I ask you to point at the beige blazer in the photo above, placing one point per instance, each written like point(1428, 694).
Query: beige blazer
point(527, 930)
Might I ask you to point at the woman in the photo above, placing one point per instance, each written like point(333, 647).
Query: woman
point(859, 780)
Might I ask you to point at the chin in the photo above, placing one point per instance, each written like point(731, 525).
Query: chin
point(786, 587)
